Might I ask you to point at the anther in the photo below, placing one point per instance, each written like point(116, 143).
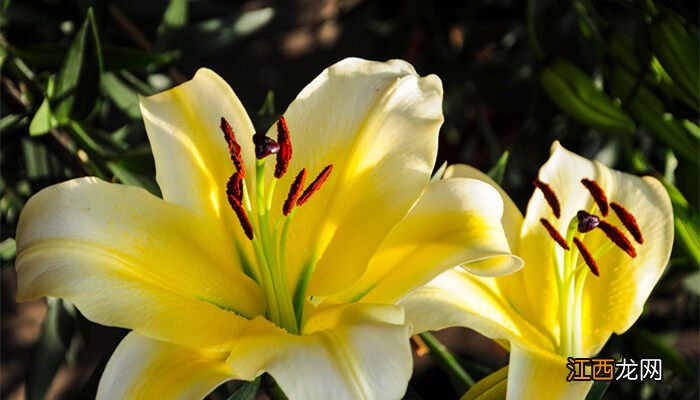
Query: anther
point(315, 185)
point(264, 146)
point(554, 233)
point(294, 192)
point(587, 257)
point(549, 196)
point(586, 222)
point(617, 237)
point(234, 149)
point(628, 221)
point(242, 217)
point(234, 186)
point(285, 152)
point(598, 195)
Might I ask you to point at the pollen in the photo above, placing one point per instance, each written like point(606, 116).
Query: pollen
point(549, 196)
point(554, 233)
point(242, 217)
point(294, 192)
point(234, 149)
point(598, 195)
point(628, 221)
point(587, 257)
point(234, 186)
point(617, 237)
point(315, 185)
point(285, 153)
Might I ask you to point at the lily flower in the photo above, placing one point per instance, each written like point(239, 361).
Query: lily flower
point(594, 241)
point(248, 264)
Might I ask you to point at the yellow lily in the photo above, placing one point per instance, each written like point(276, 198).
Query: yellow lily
point(242, 268)
point(594, 241)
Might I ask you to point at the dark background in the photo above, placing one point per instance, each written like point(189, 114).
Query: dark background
point(494, 102)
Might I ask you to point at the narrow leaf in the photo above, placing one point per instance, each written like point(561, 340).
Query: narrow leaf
point(247, 391)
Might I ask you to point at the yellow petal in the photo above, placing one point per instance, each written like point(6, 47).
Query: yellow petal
point(144, 368)
point(191, 155)
point(613, 301)
point(533, 290)
point(512, 219)
point(455, 222)
point(349, 351)
point(377, 123)
point(189, 149)
point(127, 258)
point(538, 375)
point(458, 298)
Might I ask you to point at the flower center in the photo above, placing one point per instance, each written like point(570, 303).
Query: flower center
point(571, 269)
point(269, 241)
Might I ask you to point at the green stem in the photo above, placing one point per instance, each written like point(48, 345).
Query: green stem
point(447, 360)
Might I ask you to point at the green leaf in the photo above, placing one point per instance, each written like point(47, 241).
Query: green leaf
point(77, 85)
point(118, 58)
point(43, 121)
point(499, 170)
point(136, 169)
point(174, 19)
point(267, 114)
point(8, 249)
point(492, 387)
point(598, 389)
point(247, 391)
point(653, 346)
point(692, 283)
point(56, 334)
point(122, 95)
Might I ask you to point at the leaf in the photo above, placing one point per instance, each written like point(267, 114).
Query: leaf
point(597, 390)
point(8, 249)
point(122, 95)
point(43, 120)
point(77, 85)
point(136, 169)
point(498, 171)
point(118, 58)
point(247, 391)
point(492, 387)
point(653, 346)
point(56, 332)
point(692, 283)
point(174, 19)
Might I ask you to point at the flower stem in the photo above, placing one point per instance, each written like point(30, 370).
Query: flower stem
point(447, 360)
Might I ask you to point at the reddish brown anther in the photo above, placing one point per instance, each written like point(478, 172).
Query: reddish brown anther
point(587, 257)
point(234, 149)
point(285, 153)
point(628, 221)
point(554, 233)
point(617, 237)
point(549, 196)
point(234, 186)
point(315, 185)
point(598, 195)
point(242, 217)
point(294, 192)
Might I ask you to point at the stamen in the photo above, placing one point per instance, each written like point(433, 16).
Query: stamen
point(587, 257)
point(617, 237)
point(294, 192)
point(285, 153)
point(549, 196)
point(264, 146)
point(242, 217)
point(586, 222)
point(628, 221)
point(315, 185)
point(554, 233)
point(598, 195)
point(234, 186)
point(234, 149)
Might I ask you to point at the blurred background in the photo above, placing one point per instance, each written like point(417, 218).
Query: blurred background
point(615, 80)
